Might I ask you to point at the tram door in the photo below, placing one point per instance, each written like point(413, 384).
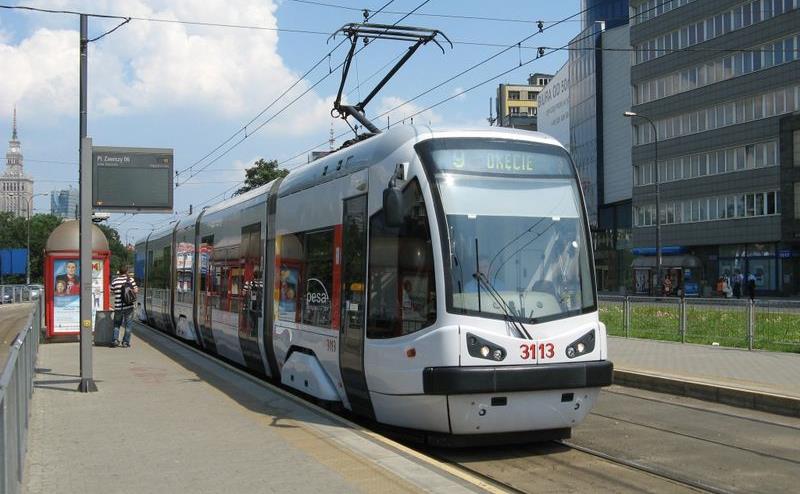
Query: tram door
point(354, 276)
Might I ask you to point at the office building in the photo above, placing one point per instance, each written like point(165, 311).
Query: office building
point(720, 79)
point(516, 103)
point(582, 108)
point(16, 188)
point(64, 203)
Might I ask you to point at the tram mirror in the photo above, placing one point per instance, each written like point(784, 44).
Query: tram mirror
point(393, 206)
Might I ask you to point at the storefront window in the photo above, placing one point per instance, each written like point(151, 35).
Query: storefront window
point(756, 260)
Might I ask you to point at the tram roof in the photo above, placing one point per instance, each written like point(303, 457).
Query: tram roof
point(375, 149)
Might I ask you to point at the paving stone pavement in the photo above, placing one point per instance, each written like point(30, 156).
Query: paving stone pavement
point(176, 423)
point(770, 372)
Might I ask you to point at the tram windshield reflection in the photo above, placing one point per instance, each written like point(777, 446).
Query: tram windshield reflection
point(525, 233)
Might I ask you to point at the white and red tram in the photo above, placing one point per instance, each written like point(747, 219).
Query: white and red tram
point(434, 280)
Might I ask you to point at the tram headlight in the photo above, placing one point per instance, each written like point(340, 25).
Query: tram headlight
point(581, 346)
point(481, 348)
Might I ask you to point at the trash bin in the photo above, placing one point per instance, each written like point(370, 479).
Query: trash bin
point(103, 327)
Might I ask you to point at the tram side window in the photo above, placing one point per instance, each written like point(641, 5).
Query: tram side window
point(253, 286)
point(149, 268)
point(318, 279)
point(402, 288)
point(206, 246)
point(164, 275)
point(184, 270)
point(305, 278)
point(288, 276)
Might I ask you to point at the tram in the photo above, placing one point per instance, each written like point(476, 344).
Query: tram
point(440, 281)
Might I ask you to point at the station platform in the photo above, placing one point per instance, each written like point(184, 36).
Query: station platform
point(761, 380)
point(169, 419)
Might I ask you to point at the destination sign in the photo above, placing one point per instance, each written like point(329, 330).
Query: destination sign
point(132, 179)
point(510, 160)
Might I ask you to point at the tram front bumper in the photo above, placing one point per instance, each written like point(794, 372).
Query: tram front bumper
point(516, 378)
point(516, 398)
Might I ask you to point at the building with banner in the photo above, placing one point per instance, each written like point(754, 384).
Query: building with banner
point(582, 108)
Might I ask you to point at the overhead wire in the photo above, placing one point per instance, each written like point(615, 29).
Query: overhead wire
point(445, 16)
point(274, 101)
point(164, 20)
point(469, 69)
point(276, 114)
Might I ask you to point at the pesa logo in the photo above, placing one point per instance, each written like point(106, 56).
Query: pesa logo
point(317, 298)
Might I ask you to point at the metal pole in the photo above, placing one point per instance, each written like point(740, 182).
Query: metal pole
point(626, 318)
point(658, 198)
point(682, 313)
point(751, 322)
point(87, 380)
point(658, 206)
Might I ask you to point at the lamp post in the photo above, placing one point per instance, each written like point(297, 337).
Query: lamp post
point(631, 114)
point(30, 207)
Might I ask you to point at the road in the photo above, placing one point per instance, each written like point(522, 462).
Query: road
point(637, 441)
point(12, 318)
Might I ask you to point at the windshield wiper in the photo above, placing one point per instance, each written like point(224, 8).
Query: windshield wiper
point(515, 320)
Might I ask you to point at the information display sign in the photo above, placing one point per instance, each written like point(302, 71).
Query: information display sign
point(132, 179)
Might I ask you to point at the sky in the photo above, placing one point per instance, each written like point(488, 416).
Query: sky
point(191, 87)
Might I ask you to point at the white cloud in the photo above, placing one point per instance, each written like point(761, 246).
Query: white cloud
point(459, 94)
point(405, 112)
point(153, 67)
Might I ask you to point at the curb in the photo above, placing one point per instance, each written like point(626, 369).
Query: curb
point(738, 397)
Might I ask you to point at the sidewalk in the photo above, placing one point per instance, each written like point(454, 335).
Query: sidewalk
point(167, 419)
point(768, 381)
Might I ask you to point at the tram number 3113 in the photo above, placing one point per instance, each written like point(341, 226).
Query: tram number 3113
point(528, 352)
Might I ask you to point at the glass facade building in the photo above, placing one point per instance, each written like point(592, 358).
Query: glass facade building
point(64, 203)
point(720, 81)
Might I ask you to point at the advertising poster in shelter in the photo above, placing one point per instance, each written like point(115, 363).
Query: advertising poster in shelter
point(97, 286)
point(66, 296)
point(67, 291)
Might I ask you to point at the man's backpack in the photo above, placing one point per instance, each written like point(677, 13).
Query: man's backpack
point(128, 293)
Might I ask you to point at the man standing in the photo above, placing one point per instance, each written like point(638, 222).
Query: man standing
point(124, 289)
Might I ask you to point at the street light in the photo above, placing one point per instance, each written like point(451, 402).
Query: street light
point(30, 207)
point(631, 114)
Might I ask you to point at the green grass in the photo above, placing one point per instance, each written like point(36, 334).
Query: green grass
point(612, 315)
point(776, 330)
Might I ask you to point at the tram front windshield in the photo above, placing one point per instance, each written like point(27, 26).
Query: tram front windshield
point(516, 237)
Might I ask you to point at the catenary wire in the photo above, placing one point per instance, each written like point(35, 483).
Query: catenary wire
point(265, 109)
point(276, 114)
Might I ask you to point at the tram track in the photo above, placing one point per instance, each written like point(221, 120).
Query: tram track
point(705, 407)
point(672, 477)
point(699, 438)
point(628, 475)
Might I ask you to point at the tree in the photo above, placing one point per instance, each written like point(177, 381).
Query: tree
point(120, 255)
point(262, 172)
point(14, 234)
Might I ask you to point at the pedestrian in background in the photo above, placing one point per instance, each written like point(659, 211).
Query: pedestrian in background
point(124, 288)
point(737, 284)
point(751, 286)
